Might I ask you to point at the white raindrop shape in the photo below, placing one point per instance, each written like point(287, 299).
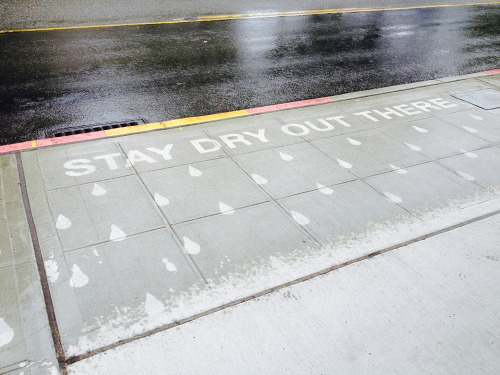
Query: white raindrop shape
point(63, 222)
point(475, 117)
point(98, 190)
point(469, 129)
point(52, 270)
point(153, 306)
point(78, 278)
point(286, 157)
point(169, 265)
point(393, 198)
point(195, 172)
point(190, 246)
point(6, 333)
point(413, 147)
point(419, 129)
point(324, 189)
point(225, 209)
point(466, 176)
point(300, 219)
point(469, 154)
point(353, 142)
point(259, 179)
point(161, 200)
point(116, 234)
point(398, 169)
point(344, 164)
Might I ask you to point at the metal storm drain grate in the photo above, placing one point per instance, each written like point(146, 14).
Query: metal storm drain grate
point(484, 98)
point(91, 128)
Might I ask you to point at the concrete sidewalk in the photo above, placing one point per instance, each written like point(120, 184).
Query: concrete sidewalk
point(137, 234)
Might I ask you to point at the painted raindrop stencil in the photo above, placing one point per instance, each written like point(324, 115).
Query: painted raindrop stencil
point(469, 129)
point(353, 142)
point(324, 189)
point(475, 117)
point(300, 219)
point(225, 209)
point(169, 265)
point(466, 176)
point(393, 198)
point(398, 169)
point(190, 246)
point(116, 234)
point(413, 147)
point(259, 179)
point(153, 306)
point(469, 154)
point(78, 278)
point(98, 190)
point(52, 270)
point(286, 157)
point(63, 222)
point(419, 129)
point(344, 164)
point(161, 200)
point(6, 333)
point(195, 172)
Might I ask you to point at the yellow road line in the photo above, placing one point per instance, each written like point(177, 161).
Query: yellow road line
point(224, 17)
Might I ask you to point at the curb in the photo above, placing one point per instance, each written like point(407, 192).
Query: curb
point(227, 115)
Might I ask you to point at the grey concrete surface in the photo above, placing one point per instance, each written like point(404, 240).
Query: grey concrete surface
point(427, 308)
point(302, 170)
point(370, 152)
point(25, 336)
point(198, 190)
point(143, 231)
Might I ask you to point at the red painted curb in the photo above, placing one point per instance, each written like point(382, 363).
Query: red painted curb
point(492, 72)
point(300, 103)
point(15, 147)
point(52, 141)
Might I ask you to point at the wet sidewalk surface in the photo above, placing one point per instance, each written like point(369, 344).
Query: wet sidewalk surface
point(142, 231)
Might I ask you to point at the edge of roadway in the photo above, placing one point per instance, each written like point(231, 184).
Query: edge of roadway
point(34, 144)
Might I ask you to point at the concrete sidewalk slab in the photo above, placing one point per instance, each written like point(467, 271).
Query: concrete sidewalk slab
point(290, 170)
point(481, 166)
point(162, 156)
point(25, 338)
point(436, 139)
point(429, 190)
point(202, 189)
point(369, 152)
point(485, 124)
point(342, 210)
point(238, 242)
point(143, 232)
point(430, 307)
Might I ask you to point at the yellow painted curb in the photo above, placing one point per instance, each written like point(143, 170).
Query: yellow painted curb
point(133, 129)
point(198, 119)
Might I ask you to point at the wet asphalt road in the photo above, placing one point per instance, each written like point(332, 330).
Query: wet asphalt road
point(55, 79)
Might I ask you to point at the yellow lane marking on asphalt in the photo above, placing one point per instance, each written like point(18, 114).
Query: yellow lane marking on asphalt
point(133, 129)
point(224, 17)
point(198, 119)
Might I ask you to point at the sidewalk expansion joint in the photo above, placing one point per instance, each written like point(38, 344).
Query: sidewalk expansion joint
point(61, 358)
point(180, 322)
